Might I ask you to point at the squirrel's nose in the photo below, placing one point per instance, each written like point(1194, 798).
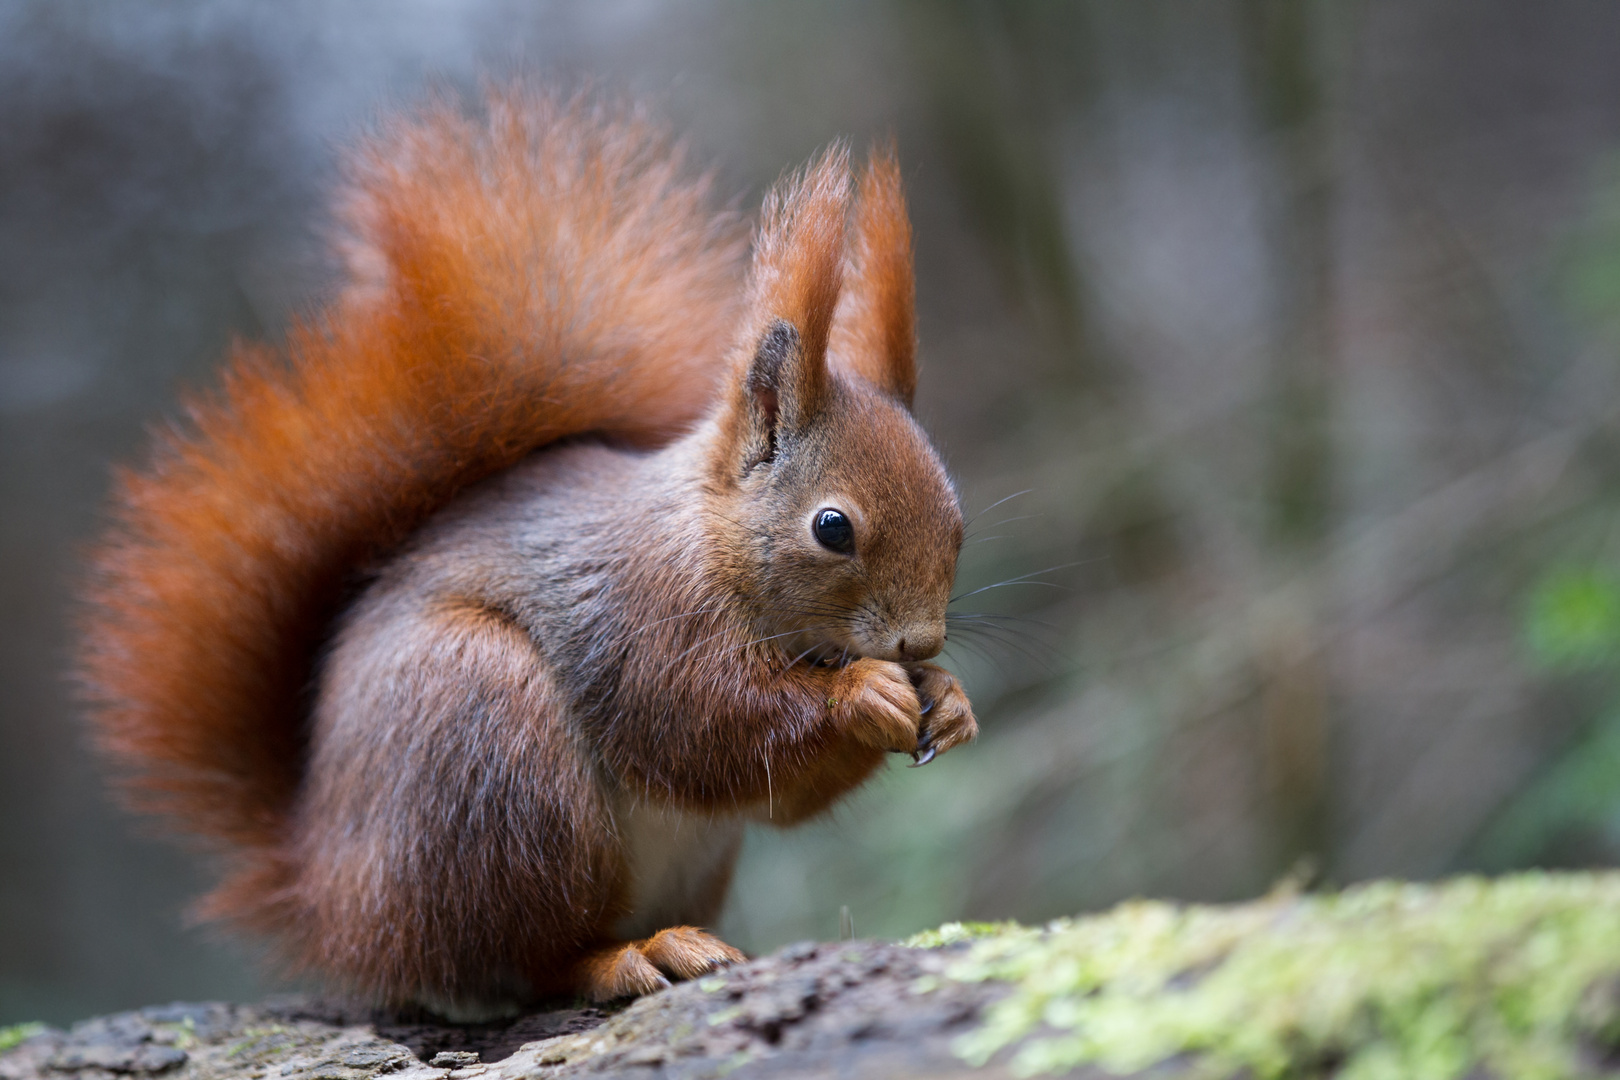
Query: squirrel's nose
point(920, 642)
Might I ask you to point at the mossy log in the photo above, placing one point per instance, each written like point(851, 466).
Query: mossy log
point(1518, 977)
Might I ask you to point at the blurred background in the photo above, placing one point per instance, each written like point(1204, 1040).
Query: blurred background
point(1276, 346)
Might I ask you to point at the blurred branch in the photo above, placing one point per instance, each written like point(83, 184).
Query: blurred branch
point(999, 78)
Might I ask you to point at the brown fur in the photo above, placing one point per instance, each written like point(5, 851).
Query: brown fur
point(592, 643)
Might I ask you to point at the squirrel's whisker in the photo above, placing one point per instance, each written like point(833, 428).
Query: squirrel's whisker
point(1030, 647)
point(801, 656)
point(756, 641)
point(992, 506)
point(1025, 579)
point(671, 618)
point(952, 617)
point(970, 534)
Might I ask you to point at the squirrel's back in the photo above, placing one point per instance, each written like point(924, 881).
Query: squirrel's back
point(544, 270)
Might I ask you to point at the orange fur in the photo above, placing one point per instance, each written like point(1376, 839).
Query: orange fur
point(798, 261)
point(877, 333)
point(633, 968)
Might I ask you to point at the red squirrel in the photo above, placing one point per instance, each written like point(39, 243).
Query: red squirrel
point(470, 625)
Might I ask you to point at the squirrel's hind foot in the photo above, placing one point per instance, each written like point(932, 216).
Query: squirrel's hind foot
point(685, 952)
point(634, 968)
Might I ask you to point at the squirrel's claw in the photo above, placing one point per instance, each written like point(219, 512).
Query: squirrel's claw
point(950, 716)
point(925, 742)
point(925, 745)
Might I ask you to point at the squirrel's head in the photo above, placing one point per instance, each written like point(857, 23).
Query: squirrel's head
point(841, 524)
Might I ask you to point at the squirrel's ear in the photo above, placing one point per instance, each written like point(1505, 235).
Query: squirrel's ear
point(875, 332)
point(797, 271)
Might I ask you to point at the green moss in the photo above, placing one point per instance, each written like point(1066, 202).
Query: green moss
point(953, 932)
point(16, 1033)
point(1382, 981)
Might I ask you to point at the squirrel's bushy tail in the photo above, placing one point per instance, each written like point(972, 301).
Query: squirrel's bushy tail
point(544, 270)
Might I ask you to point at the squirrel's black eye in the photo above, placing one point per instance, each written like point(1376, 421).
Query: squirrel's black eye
point(834, 530)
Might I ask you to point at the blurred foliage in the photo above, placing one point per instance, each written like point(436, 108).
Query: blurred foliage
point(1593, 272)
point(1573, 620)
point(1579, 793)
point(1570, 808)
point(1572, 628)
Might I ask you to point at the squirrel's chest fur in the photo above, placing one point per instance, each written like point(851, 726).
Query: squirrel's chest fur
point(677, 864)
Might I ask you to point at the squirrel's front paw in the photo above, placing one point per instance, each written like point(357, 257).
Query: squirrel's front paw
point(874, 701)
point(947, 716)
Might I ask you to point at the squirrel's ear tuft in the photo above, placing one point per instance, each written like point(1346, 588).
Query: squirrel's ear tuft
point(875, 332)
point(778, 353)
point(797, 272)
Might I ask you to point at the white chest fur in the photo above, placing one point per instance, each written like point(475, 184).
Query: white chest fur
point(678, 864)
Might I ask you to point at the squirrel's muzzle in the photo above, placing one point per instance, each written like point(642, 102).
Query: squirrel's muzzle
point(918, 643)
